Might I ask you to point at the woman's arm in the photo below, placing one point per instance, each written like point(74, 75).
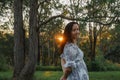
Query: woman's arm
point(67, 60)
point(67, 70)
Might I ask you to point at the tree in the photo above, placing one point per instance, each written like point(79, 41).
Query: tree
point(22, 70)
point(97, 12)
point(19, 44)
point(113, 51)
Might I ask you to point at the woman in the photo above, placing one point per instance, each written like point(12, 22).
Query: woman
point(73, 65)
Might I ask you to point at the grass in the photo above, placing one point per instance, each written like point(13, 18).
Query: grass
point(6, 75)
point(48, 75)
point(55, 75)
point(112, 75)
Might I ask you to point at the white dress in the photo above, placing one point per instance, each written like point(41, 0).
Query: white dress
point(74, 59)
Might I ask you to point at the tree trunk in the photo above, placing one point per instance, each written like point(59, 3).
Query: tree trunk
point(19, 39)
point(29, 69)
point(24, 71)
point(94, 43)
point(38, 59)
point(91, 41)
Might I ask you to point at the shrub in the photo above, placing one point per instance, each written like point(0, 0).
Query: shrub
point(49, 68)
point(3, 64)
point(101, 64)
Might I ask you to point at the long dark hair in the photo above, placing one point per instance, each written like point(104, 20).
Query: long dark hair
point(67, 35)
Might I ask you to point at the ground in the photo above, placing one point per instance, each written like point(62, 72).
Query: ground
point(55, 75)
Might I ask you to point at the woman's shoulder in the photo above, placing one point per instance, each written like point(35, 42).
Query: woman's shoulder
point(70, 44)
point(69, 48)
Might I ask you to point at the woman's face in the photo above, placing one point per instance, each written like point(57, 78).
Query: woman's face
point(75, 31)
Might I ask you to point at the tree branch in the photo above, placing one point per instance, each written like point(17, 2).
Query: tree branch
point(86, 19)
point(61, 16)
point(42, 2)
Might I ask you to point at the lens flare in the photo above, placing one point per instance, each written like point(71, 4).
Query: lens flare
point(60, 39)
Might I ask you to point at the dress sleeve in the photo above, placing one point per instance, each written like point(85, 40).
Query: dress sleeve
point(69, 56)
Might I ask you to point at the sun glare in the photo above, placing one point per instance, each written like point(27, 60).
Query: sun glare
point(60, 39)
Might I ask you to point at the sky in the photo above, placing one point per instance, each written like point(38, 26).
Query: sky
point(64, 1)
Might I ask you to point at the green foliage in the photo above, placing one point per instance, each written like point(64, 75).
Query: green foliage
point(113, 50)
point(6, 75)
point(49, 68)
point(48, 42)
point(5, 2)
point(6, 47)
point(108, 75)
point(3, 64)
point(100, 64)
point(111, 1)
